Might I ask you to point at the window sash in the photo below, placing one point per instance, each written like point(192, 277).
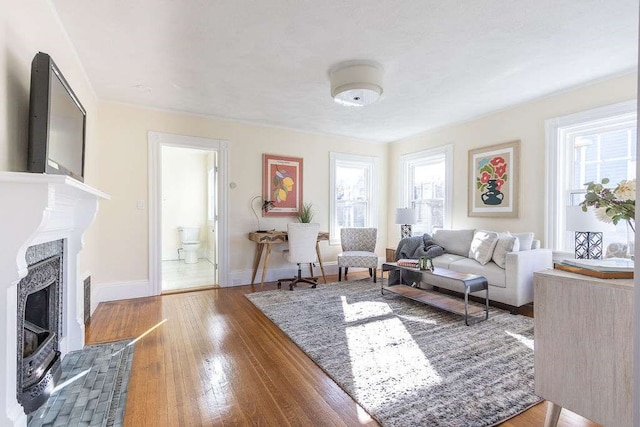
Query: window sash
point(562, 133)
point(352, 209)
point(433, 211)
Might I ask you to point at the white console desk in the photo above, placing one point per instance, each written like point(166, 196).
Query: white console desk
point(583, 346)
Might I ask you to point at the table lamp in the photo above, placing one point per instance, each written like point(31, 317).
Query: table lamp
point(588, 232)
point(265, 207)
point(406, 217)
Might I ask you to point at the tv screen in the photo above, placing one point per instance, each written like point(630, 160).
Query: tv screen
point(56, 122)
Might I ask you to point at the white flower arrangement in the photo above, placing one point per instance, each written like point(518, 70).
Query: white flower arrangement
point(612, 205)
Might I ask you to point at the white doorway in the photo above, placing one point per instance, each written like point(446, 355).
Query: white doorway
point(188, 212)
point(188, 235)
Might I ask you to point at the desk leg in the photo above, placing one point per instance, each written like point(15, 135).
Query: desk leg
point(553, 413)
point(320, 261)
point(265, 266)
point(256, 261)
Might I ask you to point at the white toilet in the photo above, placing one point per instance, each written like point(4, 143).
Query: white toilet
point(190, 244)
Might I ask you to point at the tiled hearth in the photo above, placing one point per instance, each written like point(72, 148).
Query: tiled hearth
point(37, 209)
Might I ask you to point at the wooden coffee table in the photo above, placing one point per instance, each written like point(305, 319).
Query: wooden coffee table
point(470, 282)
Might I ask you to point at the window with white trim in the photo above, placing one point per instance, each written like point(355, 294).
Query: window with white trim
point(584, 147)
point(354, 191)
point(427, 186)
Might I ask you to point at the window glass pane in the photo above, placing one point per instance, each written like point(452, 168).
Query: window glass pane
point(590, 174)
point(615, 170)
point(608, 154)
point(351, 183)
point(351, 214)
point(588, 146)
point(427, 194)
point(613, 145)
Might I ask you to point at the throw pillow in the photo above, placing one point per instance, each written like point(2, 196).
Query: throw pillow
point(482, 246)
point(526, 240)
point(506, 243)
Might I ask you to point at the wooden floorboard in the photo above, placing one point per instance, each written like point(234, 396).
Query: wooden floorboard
point(217, 360)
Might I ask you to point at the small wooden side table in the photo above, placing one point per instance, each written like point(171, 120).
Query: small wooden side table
point(391, 255)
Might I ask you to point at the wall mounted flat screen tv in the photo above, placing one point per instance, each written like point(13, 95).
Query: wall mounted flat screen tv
point(57, 122)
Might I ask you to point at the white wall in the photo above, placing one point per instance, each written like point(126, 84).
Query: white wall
point(122, 153)
point(184, 196)
point(27, 27)
point(524, 122)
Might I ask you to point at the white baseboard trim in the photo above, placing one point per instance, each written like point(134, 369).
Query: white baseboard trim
point(117, 291)
point(142, 288)
point(243, 277)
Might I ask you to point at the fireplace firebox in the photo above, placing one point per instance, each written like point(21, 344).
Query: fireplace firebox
point(39, 324)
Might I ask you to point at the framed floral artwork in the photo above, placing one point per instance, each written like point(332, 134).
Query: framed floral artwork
point(493, 180)
point(282, 184)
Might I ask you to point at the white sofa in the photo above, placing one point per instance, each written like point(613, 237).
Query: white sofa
point(513, 284)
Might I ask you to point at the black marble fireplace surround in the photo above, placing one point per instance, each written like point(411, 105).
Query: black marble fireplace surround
point(39, 324)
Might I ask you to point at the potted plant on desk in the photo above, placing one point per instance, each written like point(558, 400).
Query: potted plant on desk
point(305, 214)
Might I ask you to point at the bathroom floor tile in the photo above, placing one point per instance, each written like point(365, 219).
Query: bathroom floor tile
point(179, 275)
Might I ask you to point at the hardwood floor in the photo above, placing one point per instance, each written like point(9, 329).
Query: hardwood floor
point(217, 360)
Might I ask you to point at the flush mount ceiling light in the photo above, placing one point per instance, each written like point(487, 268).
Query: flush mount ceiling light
point(356, 85)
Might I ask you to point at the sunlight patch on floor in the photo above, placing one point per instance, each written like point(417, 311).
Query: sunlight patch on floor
point(418, 319)
point(363, 416)
point(363, 310)
point(383, 354)
point(528, 342)
point(69, 381)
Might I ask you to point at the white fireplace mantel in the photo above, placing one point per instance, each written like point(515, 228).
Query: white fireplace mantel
point(38, 208)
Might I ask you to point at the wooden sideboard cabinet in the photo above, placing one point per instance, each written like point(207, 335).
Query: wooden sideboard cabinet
point(583, 346)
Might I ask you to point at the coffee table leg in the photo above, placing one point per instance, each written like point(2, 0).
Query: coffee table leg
point(487, 303)
point(466, 304)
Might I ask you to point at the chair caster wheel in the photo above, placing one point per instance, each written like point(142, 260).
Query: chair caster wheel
point(290, 287)
point(313, 286)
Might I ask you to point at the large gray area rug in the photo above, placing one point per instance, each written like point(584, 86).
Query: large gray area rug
point(406, 363)
point(95, 392)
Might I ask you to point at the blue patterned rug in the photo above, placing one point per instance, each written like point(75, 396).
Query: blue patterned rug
point(406, 363)
point(92, 390)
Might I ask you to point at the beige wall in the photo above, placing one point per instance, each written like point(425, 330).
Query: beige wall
point(116, 160)
point(524, 122)
point(27, 27)
point(184, 196)
point(122, 153)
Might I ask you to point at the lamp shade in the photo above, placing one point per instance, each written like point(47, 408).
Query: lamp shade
point(406, 216)
point(577, 220)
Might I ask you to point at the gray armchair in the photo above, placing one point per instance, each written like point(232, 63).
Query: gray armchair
point(358, 250)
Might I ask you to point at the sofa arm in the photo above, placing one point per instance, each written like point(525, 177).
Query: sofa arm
point(519, 269)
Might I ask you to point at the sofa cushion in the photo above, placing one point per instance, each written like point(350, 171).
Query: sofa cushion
point(455, 242)
point(482, 245)
point(526, 240)
point(506, 243)
point(495, 275)
point(445, 260)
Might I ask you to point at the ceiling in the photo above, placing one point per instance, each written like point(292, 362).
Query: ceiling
point(267, 62)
